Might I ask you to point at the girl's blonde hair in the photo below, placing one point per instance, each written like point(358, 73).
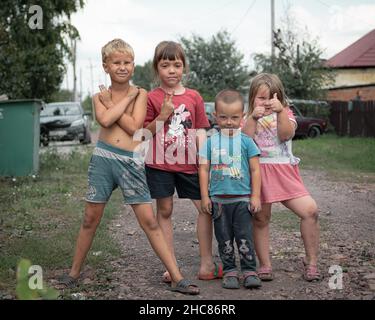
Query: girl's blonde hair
point(272, 82)
point(116, 45)
point(168, 50)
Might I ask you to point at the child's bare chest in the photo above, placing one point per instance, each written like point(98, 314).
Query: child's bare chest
point(117, 98)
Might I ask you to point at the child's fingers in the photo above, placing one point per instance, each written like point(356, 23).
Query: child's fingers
point(101, 87)
point(165, 99)
point(255, 208)
point(170, 97)
point(275, 95)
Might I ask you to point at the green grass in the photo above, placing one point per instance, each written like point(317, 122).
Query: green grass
point(288, 221)
point(343, 157)
point(40, 217)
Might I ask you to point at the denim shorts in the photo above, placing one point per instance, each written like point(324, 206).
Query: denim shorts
point(111, 167)
point(162, 184)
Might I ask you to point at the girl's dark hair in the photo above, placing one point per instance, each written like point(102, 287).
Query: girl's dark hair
point(168, 50)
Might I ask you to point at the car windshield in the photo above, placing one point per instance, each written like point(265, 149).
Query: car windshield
point(210, 107)
point(51, 110)
point(295, 110)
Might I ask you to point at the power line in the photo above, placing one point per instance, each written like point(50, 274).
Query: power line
point(243, 18)
point(330, 6)
point(205, 17)
point(272, 29)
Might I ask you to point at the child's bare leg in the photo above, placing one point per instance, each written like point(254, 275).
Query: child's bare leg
point(261, 235)
point(307, 210)
point(155, 235)
point(91, 220)
point(164, 218)
point(204, 233)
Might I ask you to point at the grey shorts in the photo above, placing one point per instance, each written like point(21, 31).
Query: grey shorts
point(111, 167)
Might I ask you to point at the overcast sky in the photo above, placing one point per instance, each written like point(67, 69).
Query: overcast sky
point(144, 23)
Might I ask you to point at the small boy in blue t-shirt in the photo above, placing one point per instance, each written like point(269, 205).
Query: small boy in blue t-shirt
point(229, 177)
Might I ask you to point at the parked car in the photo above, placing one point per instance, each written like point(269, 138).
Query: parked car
point(210, 109)
point(64, 121)
point(311, 127)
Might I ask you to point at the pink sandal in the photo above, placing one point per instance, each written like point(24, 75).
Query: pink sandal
point(310, 272)
point(265, 273)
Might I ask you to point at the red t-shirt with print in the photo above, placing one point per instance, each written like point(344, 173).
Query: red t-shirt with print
point(174, 148)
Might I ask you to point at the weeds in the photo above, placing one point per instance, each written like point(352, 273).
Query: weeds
point(40, 217)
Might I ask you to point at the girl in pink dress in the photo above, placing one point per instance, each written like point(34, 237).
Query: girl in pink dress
point(272, 125)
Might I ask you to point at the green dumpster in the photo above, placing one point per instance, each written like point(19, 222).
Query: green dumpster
point(19, 137)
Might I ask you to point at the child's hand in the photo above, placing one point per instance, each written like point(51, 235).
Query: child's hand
point(206, 205)
point(255, 204)
point(258, 112)
point(105, 96)
point(133, 92)
point(276, 105)
point(167, 107)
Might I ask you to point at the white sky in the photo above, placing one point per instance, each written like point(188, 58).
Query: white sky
point(144, 23)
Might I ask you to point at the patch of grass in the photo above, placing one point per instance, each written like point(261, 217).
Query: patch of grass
point(342, 157)
point(40, 217)
point(288, 221)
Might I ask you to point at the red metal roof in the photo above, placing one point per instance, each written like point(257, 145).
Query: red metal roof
point(359, 54)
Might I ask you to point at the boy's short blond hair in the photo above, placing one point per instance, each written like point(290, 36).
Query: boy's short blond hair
point(116, 45)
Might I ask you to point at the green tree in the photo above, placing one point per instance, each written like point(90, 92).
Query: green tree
point(297, 61)
point(215, 64)
point(143, 76)
point(32, 59)
point(87, 104)
point(61, 95)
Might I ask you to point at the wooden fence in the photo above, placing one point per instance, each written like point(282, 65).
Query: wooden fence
point(353, 118)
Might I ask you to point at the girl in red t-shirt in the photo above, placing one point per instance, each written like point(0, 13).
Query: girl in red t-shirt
point(174, 113)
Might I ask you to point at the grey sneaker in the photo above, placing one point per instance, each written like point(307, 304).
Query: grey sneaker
point(230, 282)
point(252, 282)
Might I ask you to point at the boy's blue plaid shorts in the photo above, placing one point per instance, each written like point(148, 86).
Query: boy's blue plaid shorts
point(111, 167)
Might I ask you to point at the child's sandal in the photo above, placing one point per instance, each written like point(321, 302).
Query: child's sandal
point(265, 273)
point(311, 272)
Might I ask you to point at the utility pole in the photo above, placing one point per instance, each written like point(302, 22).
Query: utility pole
point(92, 90)
point(272, 30)
point(74, 58)
point(92, 78)
point(80, 85)
point(67, 77)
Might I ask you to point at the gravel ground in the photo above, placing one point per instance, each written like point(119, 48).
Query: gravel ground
point(347, 218)
point(347, 214)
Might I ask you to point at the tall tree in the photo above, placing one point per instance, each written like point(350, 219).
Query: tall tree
point(34, 41)
point(61, 95)
point(143, 76)
point(215, 64)
point(298, 62)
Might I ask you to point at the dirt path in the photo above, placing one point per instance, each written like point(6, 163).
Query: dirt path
point(347, 212)
point(347, 218)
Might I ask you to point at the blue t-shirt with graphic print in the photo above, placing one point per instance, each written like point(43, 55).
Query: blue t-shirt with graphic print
point(229, 163)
